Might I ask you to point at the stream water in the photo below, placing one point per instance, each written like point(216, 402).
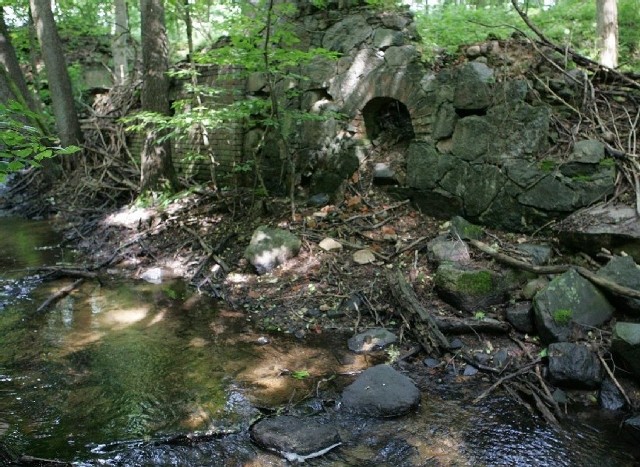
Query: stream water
point(127, 373)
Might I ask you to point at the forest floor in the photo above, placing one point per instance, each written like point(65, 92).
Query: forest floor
point(201, 236)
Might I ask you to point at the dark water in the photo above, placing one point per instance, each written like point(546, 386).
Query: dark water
point(130, 373)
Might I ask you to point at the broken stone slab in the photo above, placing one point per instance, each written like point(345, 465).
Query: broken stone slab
point(270, 247)
point(614, 227)
point(328, 244)
point(574, 365)
point(371, 339)
point(469, 289)
point(624, 271)
point(462, 228)
point(296, 439)
point(443, 249)
point(625, 344)
point(364, 256)
point(566, 303)
point(536, 254)
point(381, 391)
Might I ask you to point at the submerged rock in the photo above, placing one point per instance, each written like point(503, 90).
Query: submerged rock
point(294, 438)
point(271, 247)
point(371, 339)
point(610, 397)
point(381, 391)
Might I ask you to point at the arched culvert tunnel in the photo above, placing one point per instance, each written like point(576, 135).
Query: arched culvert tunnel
point(387, 120)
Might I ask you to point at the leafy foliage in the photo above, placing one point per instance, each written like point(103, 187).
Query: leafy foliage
point(567, 22)
point(22, 145)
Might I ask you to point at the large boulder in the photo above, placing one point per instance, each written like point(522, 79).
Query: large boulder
point(473, 87)
point(270, 247)
point(469, 289)
point(574, 365)
point(624, 271)
point(345, 35)
point(625, 344)
point(381, 391)
point(566, 303)
point(296, 439)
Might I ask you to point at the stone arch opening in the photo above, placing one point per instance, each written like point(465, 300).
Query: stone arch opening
point(387, 119)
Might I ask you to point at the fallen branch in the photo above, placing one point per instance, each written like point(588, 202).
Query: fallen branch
point(557, 269)
point(516, 373)
point(59, 295)
point(578, 58)
point(422, 324)
point(468, 325)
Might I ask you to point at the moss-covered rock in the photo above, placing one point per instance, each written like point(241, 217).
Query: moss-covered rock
point(469, 289)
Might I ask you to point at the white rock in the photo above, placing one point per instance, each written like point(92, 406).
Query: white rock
point(365, 256)
point(328, 244)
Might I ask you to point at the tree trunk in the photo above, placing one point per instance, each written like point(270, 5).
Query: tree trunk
point(607, 29)
point(64, 110)
point(14, 76)
point(156, 164)
point(120, 41)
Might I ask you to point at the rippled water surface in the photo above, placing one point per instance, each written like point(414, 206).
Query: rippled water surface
point(130, 373)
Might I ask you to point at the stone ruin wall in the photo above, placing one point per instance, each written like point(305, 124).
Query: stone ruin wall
point(474, 146)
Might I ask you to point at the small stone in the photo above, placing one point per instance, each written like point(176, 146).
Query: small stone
point(500, 358)
point(262, 340)
point(473, 51)
point(328, 244)
point(431, 362)
point(455, 344)
point(469, 370)
point(152, 275)
point(319, 200)
point(365, 256)
point(559, 396)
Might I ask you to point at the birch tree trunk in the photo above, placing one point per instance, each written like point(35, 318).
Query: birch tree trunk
point(120, 43)
point(607, 30)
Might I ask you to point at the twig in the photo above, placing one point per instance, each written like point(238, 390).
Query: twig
point(59, 295)
point(518, 372)
point(613, 378)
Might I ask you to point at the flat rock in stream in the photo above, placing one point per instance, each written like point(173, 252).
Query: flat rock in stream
point(381, 391)
point(295, 438)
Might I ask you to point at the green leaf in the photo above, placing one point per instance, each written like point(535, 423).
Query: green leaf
point(300, 374)
point(44, 154)
point(68, 150)
point(15, 165)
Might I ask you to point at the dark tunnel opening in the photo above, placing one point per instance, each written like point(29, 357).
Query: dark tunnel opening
point(387, 120)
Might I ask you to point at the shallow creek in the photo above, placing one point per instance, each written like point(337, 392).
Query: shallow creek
point(131, 373)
